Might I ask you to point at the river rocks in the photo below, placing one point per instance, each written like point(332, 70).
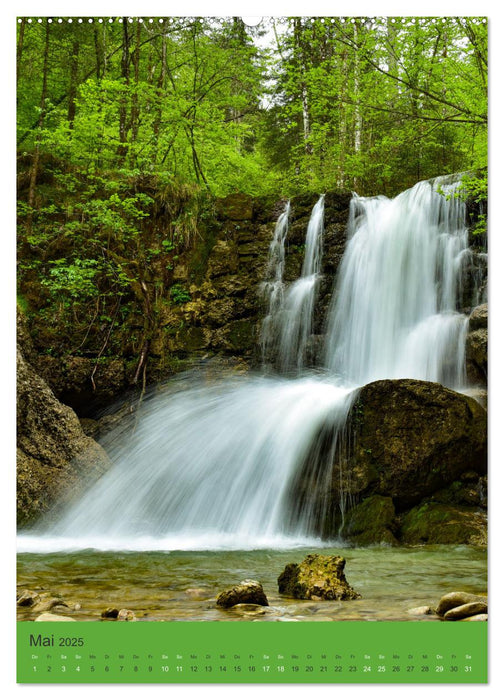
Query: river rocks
point(49, 604)
point(467, 610)
point(318, 577)
point(125, 615)
point(121, 615)
point(247, 591)
point(54, 457)
point(456, 599)
point(420, 611)
point(412, 438)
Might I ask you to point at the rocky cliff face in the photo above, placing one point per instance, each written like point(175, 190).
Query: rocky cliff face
point(213, 309)
point(54, 457)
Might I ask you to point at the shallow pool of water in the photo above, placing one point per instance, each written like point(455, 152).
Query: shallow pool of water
point(184, 585)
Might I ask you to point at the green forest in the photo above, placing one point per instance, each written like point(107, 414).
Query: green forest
point(130, 128)
point(373, 104)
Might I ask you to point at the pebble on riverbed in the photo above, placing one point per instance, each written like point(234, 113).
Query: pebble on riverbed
point(27, 599)
point(421, 610)
point(122, 615)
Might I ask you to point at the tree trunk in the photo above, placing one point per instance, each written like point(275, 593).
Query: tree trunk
point(36, 155)
point(20, 44)
point(135, 110)
point(298, 44)
point(123, 109)
point(72, 90)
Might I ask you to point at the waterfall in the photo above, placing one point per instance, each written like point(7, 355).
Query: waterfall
point(250, 462)
point(273, 286)
point(288, 324)
point(394, 308)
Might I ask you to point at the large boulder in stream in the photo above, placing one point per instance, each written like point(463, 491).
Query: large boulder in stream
point(411, 468)
point(54, 456)
point(412, 438)
point(318, 577)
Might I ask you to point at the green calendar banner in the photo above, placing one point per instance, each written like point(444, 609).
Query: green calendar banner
point(206, 652)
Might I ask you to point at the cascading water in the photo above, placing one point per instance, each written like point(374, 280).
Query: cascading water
point(297, 313)
point(273, 286)
point(394, 310)
point(216, 466)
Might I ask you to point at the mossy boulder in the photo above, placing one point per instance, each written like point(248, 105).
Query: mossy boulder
point(371, 521)
point(438, 523)
point(318, 577)
point(247, 592)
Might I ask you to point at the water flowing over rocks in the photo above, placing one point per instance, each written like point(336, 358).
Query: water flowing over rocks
point(246, 592)
point(408, 467)
point(318, 577)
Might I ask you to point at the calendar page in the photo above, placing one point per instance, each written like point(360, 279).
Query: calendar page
point(252, 349)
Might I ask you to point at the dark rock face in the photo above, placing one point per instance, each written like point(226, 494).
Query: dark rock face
point(477, 346)
point(54, 456)
point(247, 592)
point(318, 577)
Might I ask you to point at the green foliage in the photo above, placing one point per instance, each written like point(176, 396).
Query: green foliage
point(75, 280)
point(128, 131)
point(179, 295)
